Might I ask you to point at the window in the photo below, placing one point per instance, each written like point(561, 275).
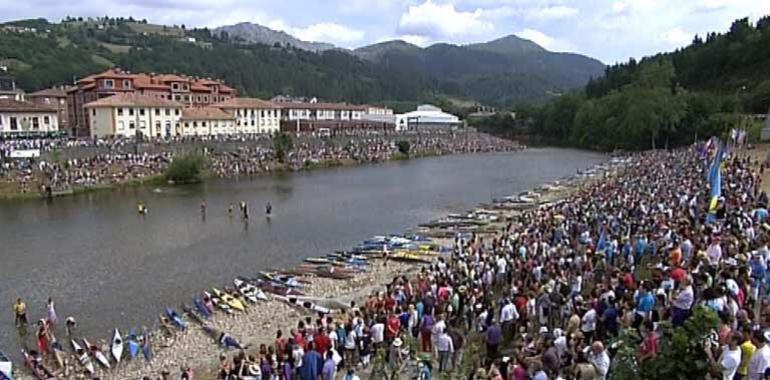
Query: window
point(252, 122)
point(61, 101)
point(130, 112)
point(157, 112)
point(198, 98)
point(131, 124)
point(142, 124)
point(93, 112)
point(262, 113)
point(14, 123)
point(168, 112)
point(121, 125)
point(46, 120)
point(187, 98)
point(1, 121)
point(195, 124)
point(141, 112)
point(176, 112)
point(187, 125)
point(35, 123)
point(203, 124)
point(108, 83)
point(47, 100)
point(185, 87)
point(175, 86)
point(120, 112)
point(205, 98)
point(126, 83)
point(177, 97)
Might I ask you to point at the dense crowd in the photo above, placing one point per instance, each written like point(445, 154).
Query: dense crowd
point(111, 164)
point(546, 297)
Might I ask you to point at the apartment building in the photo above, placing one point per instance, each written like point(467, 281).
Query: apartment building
point(131, 114)
point(320, 111)
point(22, 117)
point(206, 121)
point(187, 91)
point(53, 98)
point(253, 115)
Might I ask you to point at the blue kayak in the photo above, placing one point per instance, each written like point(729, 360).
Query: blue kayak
point(202, 309)
point(133, 345)
point(147, 348)
point(176, 318)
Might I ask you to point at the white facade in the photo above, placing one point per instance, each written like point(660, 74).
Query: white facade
point(207, 127)
point(28, 121)
point(426, 116)
point(126, 120)
point(256, 120)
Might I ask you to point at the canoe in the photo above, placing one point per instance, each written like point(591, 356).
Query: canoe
point(83, 358)
point(117, 346)
point(410, 258)
point(58, 354)
point(282, 279)
point(147, 347)
point(97, 354)
point(249, 291)
point(6, 367)
point(133, 345)
point(276, 289)
point(218, 303)
point(202, 309)
point(174, 317)
point(311, 306)
point(237, 296)
point(229, 300)
point(36, 367)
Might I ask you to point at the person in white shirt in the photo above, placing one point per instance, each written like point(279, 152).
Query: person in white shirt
point(730, 358)
point(760, 361)
point(600, 359)
point(508, 315)
point(378, 334)
point(445, 349)
point(588, 324)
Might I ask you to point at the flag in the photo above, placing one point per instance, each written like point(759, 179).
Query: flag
point(715, 181)
point(716, 163)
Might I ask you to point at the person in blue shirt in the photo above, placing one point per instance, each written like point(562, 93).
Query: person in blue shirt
point(645, 303)
point(312, 363)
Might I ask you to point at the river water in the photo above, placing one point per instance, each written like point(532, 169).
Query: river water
point(109, 267)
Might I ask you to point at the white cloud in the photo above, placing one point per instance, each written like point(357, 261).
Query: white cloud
point(442, 20)
point(328, 32)
point(546, 41)
point(551, 13)
point(713, 5)
point(677, 37)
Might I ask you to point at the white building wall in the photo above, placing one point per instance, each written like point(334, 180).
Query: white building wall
point(150, 121)
point(25, 122)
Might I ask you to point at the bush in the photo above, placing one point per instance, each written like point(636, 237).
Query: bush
point(185, 169)
point(282, 145)
point(404, 147)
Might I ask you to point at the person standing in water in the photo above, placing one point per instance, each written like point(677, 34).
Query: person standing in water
point(230, 210)
point(51, 310)
point(268, 209)
point(245, 210)
point(20, 310)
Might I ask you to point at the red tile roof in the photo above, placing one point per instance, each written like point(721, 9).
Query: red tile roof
point(323, 106)
point(11, 105)
point(252, 103)
point(50, 92)
point(134, 100)
point(205, 113)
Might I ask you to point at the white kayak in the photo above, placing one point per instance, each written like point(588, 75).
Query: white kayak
point(97, 354)
point(117, 346)
point(82, 356)
point(249, 291)
point(305, 304)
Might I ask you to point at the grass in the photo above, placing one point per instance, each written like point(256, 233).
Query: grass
point(101, 60)
point(115, 48)
point(156, 29)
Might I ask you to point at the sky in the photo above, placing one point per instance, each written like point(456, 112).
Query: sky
point(609, 30)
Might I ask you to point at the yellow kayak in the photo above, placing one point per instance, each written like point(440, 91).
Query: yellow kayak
point(228, 299)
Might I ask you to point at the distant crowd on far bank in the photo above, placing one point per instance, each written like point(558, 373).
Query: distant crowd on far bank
point(109, 162)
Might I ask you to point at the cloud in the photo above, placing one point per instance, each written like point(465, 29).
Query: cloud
point(677, 37)
point(546, 41)
point(713, 5)
point(551, 13)
point(328, 32)
point(441, 21)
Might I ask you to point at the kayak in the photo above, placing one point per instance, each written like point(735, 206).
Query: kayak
point(229, 300)
point(176, 318)
point(117, 346)
point(276, 289)
point(202, 309)
point(97, 354)
point(6, 368)
point(284, 280)
point(34, 365)
point(58, 355)
point(83, 357)
point(305, 304)
point(192, 314)
point(133, 345)
point(147, 347)
point(249, 291)
point(218, 303)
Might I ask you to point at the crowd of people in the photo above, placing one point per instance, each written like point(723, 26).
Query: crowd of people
point(546, 297)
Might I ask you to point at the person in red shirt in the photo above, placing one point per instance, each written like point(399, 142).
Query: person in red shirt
point(280, 344)
point(393, 327)
point(678, 274)
point(322, 342)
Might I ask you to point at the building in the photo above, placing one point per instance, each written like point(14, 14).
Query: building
point(8, 89)
point(377, 110)
point(206, 121)
point(21, 117)
point(53, 98)
point(427, 117)
point(188, 91)
point(253, 115)
point(129, 114)
point(317, 111)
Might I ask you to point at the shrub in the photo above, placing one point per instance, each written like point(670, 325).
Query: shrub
point(404, 147)
point(185, 169)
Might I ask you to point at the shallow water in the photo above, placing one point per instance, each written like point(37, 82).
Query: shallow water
point(109, 267)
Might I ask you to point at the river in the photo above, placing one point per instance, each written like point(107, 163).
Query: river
point(109, 267)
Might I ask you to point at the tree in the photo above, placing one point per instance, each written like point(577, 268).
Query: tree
point(282, 145)
point(404, 147)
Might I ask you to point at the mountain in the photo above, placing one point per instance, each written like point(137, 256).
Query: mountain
point(262, 62)
point(255, 33)
point(504, 71)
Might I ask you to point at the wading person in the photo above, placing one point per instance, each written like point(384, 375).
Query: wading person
point(20, 311)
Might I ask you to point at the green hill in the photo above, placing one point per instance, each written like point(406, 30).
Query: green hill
point(505, 71)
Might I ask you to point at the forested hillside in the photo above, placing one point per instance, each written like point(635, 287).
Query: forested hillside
point(503, 72)
point(667, 99)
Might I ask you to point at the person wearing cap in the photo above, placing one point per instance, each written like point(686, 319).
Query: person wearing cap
point(395, 358)
point(600, 359)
